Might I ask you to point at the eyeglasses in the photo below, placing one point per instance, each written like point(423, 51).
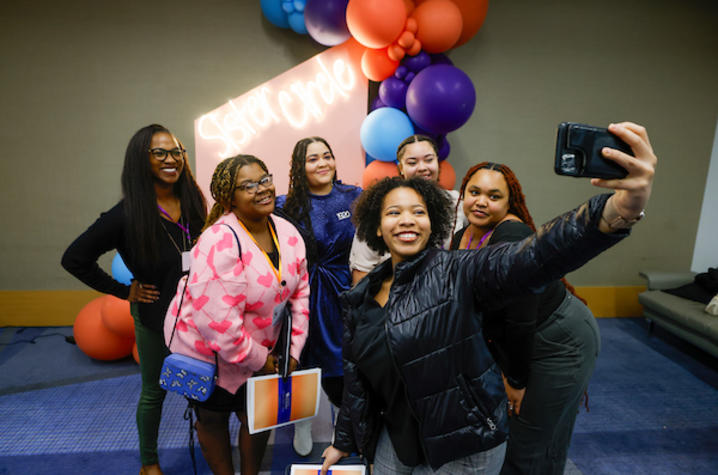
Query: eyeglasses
point(160, 154)
point(251, 187)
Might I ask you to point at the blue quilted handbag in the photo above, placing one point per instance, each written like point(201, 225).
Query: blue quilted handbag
point(190, 377)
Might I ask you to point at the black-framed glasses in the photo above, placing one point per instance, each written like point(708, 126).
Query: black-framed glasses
point(160, 154)
point(251, 187)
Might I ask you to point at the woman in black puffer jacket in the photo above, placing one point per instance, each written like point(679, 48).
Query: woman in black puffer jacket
point(421, 390)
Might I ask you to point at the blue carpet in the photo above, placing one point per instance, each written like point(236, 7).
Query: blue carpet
point(653, 407)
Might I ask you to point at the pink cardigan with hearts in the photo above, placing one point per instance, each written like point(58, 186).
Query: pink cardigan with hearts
point(228, 305)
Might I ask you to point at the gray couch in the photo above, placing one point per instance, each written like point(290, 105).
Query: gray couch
point(682, 317)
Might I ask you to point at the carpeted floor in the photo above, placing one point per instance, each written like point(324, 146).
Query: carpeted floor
point(653, 409)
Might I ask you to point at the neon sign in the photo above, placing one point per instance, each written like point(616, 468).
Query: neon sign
point(297, 103)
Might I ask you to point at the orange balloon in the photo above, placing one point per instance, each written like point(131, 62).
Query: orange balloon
point(376, 65)
point(116, 316)
point(395, 52)
point(447, 175)
point(473, 14)
point(409, 4)
point(95, 339)
point(135, 353)
point(376, 23)
point(377, 170)
point(439, 25)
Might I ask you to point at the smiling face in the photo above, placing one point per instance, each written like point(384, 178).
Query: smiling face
point(419, 159)
point(320, 168)
point(252, 205)
point(486, 199)
point(169, 170)
point(405, 226)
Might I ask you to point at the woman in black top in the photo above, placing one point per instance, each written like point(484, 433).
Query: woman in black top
point(545, 343)
point(421, 391)
point(162, 212)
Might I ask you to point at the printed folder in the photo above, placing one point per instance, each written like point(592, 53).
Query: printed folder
point(274, 402)
point(304, 469)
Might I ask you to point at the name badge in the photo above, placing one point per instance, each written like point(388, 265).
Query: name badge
point(278, 312)
point(186, 260)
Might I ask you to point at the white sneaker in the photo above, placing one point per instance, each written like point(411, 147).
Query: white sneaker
point(303, 442)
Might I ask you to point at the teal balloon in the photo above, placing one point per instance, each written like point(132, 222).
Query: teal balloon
point(274, 13)
point(383, 130)
point(120, 271)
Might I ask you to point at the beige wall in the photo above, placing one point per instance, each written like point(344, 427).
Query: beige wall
point(79, 77)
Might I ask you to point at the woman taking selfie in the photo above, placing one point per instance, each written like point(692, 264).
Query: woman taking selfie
point(160, 215)
point(321, 207)
point(422, 392)
point(530, 335)
point(236, 293)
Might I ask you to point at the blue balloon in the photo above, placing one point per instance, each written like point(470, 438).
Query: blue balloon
point(296, 23)
point(383, 130)
point(326, 21)
point(274, 13)
point(120, 271)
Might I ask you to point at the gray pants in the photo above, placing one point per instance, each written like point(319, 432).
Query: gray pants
point(386, 461)
point(565, 349)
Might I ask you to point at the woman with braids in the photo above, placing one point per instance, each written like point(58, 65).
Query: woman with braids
point(321, 207)
point(246, 266)
point(545, 343)
point(160, 215)
point(422, 392)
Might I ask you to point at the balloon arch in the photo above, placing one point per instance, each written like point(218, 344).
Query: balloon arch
point(403, 41)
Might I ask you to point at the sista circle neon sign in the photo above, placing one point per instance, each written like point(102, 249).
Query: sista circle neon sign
point(295, 102)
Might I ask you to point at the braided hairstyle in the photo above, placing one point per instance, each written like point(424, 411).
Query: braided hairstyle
point(224, 182)
point(298, 206)
point(517, 201)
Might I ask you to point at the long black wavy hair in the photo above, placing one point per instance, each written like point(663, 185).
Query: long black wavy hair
point(298, 206)
point(140, 198)
point(368, 210)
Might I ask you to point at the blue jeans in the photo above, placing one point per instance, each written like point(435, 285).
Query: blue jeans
point(386, 461)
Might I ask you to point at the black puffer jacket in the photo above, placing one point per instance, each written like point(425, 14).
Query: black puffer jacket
point(435, 337)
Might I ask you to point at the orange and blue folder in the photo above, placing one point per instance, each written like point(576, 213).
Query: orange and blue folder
point(273, 401)
point(305, 469)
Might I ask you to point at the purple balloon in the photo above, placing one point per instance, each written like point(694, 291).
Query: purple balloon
point(440, 99)
point(400, 72)
point(392, 92)
point(409, 77)
point(376, 104)
point(418, 62)
point(440, 58)
point(326, 21)
point(444, 147)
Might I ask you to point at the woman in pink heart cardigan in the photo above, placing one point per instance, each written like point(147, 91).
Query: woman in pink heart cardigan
point(233, 302)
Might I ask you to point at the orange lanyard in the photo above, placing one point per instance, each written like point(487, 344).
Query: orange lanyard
point(277, 272)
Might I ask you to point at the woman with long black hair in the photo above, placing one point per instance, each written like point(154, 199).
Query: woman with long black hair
point(321, 207)
point(159, 217)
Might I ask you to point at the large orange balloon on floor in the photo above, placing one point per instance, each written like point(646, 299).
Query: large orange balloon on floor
point(95, 339)
point(377, 170)
point(116, 316)
point(376, 65)
point(473, 14)
point(447, 175)
point(376, 23)
point(439, 25)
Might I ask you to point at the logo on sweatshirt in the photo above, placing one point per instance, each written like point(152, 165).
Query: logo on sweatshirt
point(343, 215)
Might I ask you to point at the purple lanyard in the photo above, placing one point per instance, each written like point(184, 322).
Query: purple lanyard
point(483, 238)
point(183, 228)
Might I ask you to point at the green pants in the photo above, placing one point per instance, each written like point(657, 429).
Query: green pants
point(152, 350)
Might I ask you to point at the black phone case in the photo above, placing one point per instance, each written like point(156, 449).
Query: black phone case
point(578, 151)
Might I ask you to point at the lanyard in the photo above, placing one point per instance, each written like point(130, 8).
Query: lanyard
point(277, 272)
point(178, 223)
point(471, 238)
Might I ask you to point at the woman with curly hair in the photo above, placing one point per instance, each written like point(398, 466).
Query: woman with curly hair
point(545, 343)
point(422, 392)
point(160, 215)
point(246, 265)
point(321, 207)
